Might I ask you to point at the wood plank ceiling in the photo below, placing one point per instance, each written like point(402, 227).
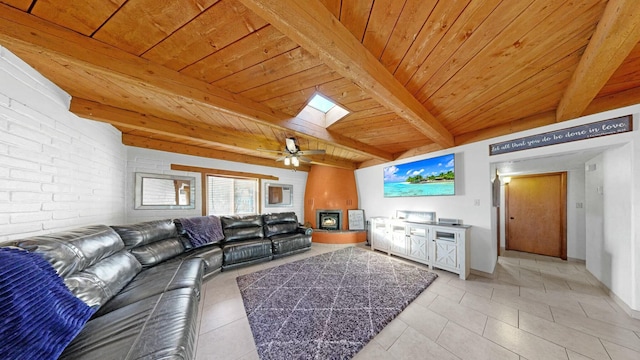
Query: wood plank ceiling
point(224, 78)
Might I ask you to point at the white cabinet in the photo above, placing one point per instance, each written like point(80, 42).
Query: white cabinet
point(444, 247)
point(450, 249)
point(400, 238)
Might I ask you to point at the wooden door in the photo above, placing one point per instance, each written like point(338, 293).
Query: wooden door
point(536, 207)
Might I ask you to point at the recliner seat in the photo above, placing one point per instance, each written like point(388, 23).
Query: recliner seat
point(286, 234)
point(244, 241)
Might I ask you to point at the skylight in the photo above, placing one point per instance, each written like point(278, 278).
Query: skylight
point(322, 111)
point(321, 103)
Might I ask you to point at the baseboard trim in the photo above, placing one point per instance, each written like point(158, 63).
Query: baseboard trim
point(628, 310)
point(633, 313)
point(483, 274)
point(576, 260)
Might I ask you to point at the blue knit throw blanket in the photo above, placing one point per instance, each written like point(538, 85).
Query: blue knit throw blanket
point(39, 316)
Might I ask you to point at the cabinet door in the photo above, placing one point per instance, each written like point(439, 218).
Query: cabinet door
point(446, 254)
point(418, 243)
point(445, 249)
point(398, 239)
point(418, 248)
point(379, 240)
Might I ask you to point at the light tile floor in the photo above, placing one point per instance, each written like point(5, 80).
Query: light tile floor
point(535, 307)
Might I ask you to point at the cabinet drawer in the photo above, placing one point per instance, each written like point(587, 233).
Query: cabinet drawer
point(418, 231)
point(445, 236)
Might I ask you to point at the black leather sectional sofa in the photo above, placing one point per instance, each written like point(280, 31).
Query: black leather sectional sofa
point(145, 279)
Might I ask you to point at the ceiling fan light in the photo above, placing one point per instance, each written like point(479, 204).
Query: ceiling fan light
point(295, 162)
point(287, 161)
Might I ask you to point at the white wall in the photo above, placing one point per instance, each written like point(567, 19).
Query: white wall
point(57, 171)
point(576, 225)
point(473, 185)
point(598, 262)
point(610, 221)
point(159, 162)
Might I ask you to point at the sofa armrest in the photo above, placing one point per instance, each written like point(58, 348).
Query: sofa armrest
point(305, 230)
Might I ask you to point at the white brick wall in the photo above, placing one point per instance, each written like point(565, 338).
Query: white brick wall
point(57, 171)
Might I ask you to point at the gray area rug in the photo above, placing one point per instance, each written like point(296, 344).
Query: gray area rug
point(327, 306)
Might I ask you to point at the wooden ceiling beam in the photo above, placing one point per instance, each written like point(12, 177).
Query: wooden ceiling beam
point(182, 129)
point(36, 40)
point(219, 172)
point(188, 131)
point(316, 29)
point(616, 34)
point(143, 142)
point(329, 161)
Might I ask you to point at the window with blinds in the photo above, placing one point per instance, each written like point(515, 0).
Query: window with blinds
point(231, 196)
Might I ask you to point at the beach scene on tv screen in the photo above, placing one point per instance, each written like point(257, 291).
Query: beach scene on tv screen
point(428, 177)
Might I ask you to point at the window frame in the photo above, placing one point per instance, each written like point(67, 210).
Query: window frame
point(218, 172)
point(206, 193)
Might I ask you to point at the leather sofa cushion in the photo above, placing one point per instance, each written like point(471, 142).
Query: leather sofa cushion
point(245, 233)
point(98, 283)
point(285, 243)
point(146, 232)
point(245, 251)
point(157, 327)
point(280, 228)
point(159, 251)
point(73, 250)
point(241, 221)
point(276, 218)
point(169, 275)
point(242, 227)
point(210, 254)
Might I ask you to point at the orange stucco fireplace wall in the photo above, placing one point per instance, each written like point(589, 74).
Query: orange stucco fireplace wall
point(331, 188)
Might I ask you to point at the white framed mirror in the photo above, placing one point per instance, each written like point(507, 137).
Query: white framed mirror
point(159, 191)
point(278, 195)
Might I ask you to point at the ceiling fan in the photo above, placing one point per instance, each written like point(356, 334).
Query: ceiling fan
point(292, 155)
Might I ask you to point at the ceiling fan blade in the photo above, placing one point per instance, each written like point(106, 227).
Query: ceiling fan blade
point(282, 158)
point(271, 151)
point(304, 159)
point(312, 152)
point(291, 145)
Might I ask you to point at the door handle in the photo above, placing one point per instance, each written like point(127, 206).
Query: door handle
point(512, 218)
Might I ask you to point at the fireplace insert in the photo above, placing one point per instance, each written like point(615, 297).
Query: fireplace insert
point(329, 219)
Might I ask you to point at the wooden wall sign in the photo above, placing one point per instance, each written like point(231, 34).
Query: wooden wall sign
point(581, 132)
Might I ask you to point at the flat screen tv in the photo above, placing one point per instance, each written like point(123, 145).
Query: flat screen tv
point(428, 177)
